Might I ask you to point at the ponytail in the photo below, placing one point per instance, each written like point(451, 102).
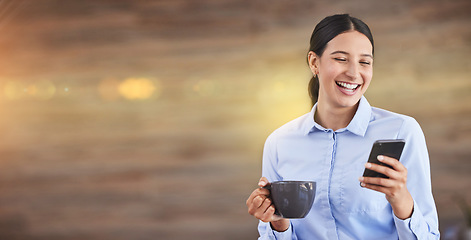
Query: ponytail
point(314, 89)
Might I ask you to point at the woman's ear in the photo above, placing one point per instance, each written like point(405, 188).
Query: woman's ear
point(313, 61)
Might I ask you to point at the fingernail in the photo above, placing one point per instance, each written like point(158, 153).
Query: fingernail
point(361, 179)
point(262, 183)
point(368, 165)
point(380, 158)
point(362, 184)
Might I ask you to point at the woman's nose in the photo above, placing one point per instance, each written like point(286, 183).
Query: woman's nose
point(352, 71)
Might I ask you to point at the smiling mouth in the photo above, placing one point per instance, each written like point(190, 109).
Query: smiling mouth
point(349, 87)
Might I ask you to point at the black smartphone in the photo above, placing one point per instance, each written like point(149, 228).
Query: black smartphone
point(391, 148)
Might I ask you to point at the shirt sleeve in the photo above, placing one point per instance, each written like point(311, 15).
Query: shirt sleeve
point(269, 233)
point(270, 161)
point(423, 224)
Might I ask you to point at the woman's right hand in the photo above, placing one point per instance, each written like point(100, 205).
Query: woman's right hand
point(260, 206)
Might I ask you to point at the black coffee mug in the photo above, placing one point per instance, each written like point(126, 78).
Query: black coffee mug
point(292, 199)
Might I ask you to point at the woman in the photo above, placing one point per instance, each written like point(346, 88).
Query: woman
point(331, 145)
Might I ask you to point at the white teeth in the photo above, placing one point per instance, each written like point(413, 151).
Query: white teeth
point(348, 86)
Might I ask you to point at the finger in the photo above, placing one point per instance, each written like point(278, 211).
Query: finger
point(263, 182)
point(394, 163)
point(261, 211)
point(378, 181)
point(257, 192)
point(268, 215)
point(265, 205)
point(253, 207)
point(252, 196)
point(258, 201)
point(391, 173)
point(375, 187)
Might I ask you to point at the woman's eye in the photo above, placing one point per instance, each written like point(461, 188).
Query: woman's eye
point(366, 63)
point(341, 59)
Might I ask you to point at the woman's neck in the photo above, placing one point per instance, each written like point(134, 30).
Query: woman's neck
point(334, 118)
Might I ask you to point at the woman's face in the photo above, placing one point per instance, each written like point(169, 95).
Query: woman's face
point(345, 69)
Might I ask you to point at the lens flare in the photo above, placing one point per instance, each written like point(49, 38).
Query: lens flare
point(138, 88)
point(14, 90)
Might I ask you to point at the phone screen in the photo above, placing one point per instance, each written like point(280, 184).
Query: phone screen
point(391, 148)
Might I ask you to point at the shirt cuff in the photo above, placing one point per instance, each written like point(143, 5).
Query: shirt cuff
point(407, 228)
point(286, 235)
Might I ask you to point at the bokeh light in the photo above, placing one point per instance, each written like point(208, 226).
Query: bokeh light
point(14, 90)
point(42, 90)
point(138, 88)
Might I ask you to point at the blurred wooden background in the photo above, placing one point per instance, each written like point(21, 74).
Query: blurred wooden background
point(146, 119)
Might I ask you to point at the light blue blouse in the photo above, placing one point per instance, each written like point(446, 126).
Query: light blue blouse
point(342, 209)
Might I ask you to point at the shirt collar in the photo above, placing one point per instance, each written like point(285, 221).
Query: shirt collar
point(358, 125)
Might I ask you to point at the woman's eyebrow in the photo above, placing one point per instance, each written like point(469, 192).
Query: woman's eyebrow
point(346, 53)
point(342, 52)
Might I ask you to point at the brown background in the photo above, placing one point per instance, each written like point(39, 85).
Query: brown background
point(78, 160)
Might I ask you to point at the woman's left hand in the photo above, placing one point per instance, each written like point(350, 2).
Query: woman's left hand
point(395, 187)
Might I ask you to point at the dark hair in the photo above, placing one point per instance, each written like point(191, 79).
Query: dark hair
point(326, 30)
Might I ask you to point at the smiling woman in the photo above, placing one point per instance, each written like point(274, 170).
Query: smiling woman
point(344, 71)
point(330, 145)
